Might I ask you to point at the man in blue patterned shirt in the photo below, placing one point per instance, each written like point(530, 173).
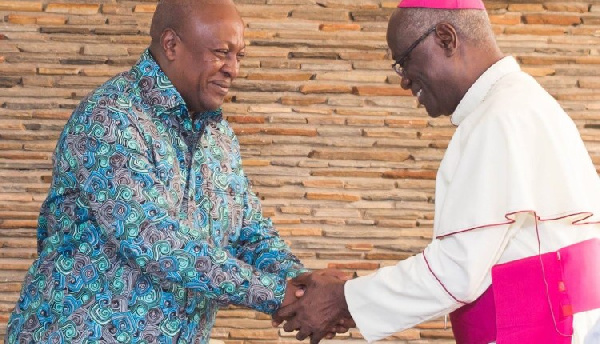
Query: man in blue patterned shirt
point(150, 224)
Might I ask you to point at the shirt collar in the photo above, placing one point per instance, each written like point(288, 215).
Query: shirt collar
point(158, 91)
point(478, 91)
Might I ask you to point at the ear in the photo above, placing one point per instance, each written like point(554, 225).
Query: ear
point(169, 41)
point(447, 38)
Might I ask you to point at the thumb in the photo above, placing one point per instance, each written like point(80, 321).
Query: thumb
point(299, 292)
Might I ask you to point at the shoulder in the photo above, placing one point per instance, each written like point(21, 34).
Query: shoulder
point(113, 105)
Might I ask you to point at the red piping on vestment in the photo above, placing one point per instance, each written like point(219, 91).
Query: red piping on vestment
point(509, 221)
point(440, 282)
point(538, 218)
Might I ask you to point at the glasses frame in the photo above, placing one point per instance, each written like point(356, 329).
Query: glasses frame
point(398, 65)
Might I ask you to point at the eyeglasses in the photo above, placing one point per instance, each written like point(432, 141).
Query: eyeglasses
point(398, 66)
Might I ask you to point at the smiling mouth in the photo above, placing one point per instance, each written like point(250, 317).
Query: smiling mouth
point(223, 87)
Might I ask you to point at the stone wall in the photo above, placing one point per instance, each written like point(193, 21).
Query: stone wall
point(343, 158)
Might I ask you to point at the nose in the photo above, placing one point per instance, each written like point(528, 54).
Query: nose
point(231, 66)
point(405, 82)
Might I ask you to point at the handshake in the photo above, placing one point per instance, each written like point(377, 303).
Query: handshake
point(315, 306)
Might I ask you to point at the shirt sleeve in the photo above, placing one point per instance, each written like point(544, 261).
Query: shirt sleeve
point(109, 163)
point(449, 273)
point(260, 244)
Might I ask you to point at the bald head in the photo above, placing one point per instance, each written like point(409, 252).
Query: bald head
point(199, 45)
point(179, 14)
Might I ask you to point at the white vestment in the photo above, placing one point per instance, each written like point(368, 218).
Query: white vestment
point(516, 155)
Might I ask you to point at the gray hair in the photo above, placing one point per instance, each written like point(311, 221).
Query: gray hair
point(471, 25)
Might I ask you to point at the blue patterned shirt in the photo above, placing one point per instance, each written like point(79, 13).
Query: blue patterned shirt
point(149, 226)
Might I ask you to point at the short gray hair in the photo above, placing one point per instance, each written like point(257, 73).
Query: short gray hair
point(472, 25)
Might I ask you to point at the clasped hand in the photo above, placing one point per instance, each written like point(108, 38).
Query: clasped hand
point(315, 306)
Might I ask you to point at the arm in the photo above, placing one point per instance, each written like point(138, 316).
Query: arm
point(111, 165)
point(450, 272)
point(260, 244)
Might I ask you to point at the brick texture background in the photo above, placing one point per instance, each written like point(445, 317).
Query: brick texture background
point(343, 159)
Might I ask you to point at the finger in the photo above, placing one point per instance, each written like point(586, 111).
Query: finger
point(330, 335)
point(291, 325)
point(299, 292)
point(316, 337)
point(288, 311)
point(341, 329)
point(348, 323)
point(275, 323)
point(303, 333)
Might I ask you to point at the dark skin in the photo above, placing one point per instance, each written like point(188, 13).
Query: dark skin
point(321, 309)
point(200, 54)
point(442, 68)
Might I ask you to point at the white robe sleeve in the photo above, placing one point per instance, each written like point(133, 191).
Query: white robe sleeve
point(450, 272)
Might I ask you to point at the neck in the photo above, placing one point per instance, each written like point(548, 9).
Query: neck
point(477, 64)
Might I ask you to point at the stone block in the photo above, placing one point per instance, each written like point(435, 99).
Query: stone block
point(21, 6)
point(578, 7)
point(264, 12)
point(552, 19)
point(410, 174)
point(73, 8)
point(365, 122)
point(9, 81)
point(332, 196)
point(375, 15)
point(299, 231)
point(116, 9)
point(327, 66)
point(380, 91)
point(339, 27)
point(144, 8)
point(67, 29)
point(51, 20)
point(117, 30)
point(325, 88)
point(60, 48)
point(290, 131)
point(505, 19)
point(363, 77)
point(540, 30)
point(303, 100)
point(362, 55)
point(407, 122)
point(525, 7)
point(360, 155)
point(280, 76)
point(21, 19)
point(19, 69)
point(318, 13)
point(361, 112)
point(58, 70)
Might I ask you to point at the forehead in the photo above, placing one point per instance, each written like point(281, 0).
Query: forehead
point(399, 36)
point(217, 23)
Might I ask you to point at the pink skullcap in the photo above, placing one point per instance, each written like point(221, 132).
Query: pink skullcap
point(443, 4)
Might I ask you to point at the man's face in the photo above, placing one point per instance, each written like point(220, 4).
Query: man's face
point(208, 57)
point(425, 70)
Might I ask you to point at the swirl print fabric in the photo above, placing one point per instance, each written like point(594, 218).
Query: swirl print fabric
point(149, 225)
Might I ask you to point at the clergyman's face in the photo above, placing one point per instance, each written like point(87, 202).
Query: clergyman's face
point(212, 47)
point(426, 71)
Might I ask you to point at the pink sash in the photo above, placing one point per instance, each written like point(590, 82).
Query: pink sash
point(532, 300)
